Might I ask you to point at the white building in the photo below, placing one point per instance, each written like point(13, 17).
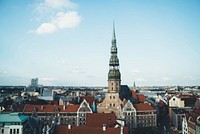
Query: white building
point(184, 126)
point(129, 113)
point(13, 123)
point(176, 102)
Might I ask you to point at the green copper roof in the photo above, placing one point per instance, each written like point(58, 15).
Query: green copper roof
point(114, 37)
point(114, 61)
point(114, 73)
point(12, 117)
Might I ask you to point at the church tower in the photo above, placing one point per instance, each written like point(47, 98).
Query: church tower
point(114, 76)
point(112, 102)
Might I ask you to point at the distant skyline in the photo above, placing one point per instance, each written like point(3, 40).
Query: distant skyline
point(67, 42)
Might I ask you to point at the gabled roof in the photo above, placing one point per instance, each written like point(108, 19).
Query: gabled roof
point(63, 129)
point(50, 108)
point(13, 117)
point(134, 95)
point(98, 119)
point(89, 99)
point(143, 107)
point(141, 98)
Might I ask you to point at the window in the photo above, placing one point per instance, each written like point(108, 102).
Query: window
point(17, 131)
point(10, 131)
point(14, 131)
point(2, 131)
point(110, 97)
point(113, 97)
point(114, 105)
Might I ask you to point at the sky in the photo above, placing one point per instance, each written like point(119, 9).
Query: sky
point(67, 42)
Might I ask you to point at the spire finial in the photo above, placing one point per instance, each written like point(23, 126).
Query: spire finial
point(114, 38)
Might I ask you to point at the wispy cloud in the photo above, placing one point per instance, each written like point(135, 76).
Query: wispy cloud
point(48, 79)
point(77, 70)
point(193, 78)
point(58, 14)
point(140, 79)
point(135, 70)
point(46, 28)
point(52, 5)
point(166, 78)
point(60, 21)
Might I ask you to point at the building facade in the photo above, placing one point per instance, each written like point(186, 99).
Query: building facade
point(81, 113)
point(130, 117)
point(177, 118)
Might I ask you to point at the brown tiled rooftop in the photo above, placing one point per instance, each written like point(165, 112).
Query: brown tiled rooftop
point(50, 108)
point(98, 119)
point(134, 95)
point(89, 99)
point(63, 129)
point(141, 98)
point(143, 107)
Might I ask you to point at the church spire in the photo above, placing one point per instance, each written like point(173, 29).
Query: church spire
point(114, 73)
point(114, 37)
point(114, 61)
point(114, 45)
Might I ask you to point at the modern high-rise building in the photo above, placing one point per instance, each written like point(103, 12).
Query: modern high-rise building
point(111, 103)
point(34, 82)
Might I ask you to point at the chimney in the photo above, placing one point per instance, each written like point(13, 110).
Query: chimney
point(64, 107)
point(69, 126)
point(104, 127)
point(42, 107)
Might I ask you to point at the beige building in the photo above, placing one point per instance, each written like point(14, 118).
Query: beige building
point(146, 115)
point(175, 102)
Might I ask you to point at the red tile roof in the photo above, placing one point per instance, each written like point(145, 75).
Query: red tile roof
point(98, 119)
point(143, 107)
point(141, 98)
point(89, 99)
point(50, 108)
point(134, 95)
point(63, 129)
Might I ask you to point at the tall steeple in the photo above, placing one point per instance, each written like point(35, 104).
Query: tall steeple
point(112, 102)
point(114, 76)
point(114, 37)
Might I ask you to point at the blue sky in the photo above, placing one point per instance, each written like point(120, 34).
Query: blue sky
point(67, 42)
